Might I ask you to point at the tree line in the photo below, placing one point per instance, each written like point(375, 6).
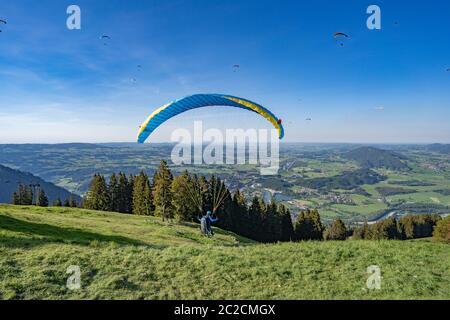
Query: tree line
point(406, 228)
point(27, 196)
point(186, 197)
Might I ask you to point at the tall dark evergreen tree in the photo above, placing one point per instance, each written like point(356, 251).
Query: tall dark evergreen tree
point(57, 203)
point(142, 195)
point(42, 200)
point(97, 196)
point(67, 203)
point(124, 198)
point(287, 229)
point(183, 206)
point(162, 193)
point(73, 202)
point(308, 226)
point(15, 199)
point(23, 195)
point(114, 195)
point(27, 196)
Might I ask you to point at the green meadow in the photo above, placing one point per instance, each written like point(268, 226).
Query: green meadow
point(139, 257)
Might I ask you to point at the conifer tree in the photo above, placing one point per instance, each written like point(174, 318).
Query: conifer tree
point(72, 202)
point(142, 195)
point(239, 214)
point(67, 203)
point(183, 207)
point(255, 213)
point(123, 199)
point(287, 230)
point(27, 197)
point(15, 199)
point(308, 226)
point(362, 232)
point(97, 196)
point(336, 231)
point(113, 191)
point(42, 200)
point(57, 203)
point(162, 193)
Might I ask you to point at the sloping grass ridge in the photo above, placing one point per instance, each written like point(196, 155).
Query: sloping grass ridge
point(135, 257)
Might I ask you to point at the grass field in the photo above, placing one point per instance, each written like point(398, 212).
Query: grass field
point(131, 257)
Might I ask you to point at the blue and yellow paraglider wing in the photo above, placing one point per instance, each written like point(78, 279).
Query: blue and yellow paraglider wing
point(176, 107)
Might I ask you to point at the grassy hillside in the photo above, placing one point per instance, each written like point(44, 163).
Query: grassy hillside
point(129, 257)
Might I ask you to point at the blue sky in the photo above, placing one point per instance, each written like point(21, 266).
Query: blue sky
point(388, 85)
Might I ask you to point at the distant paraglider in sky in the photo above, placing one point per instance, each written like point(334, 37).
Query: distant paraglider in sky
point(236, 67)
point(2, 22)
point(170, 110)
point(105, 39)
point(340, 37)
point(308, 119)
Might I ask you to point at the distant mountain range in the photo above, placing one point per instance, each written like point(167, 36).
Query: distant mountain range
point(437, 147)
point(370, 157)
point(10, 179)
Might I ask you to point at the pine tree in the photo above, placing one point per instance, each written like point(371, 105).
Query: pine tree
point(123, 198)
point(287, 229)
point(270, 222)
point(97, 197)
point(239, 214)
point(27, 196)
point(142, 195)
point(57, 203)
point(226, 216)
point(336, 231)
point(42, 200)
point(129, 194)
point(22, 194)
point(183, 207)
point(30, 196)
point(73, 203)
point(67, 203)
point(114, 195)
point(255, 213)
point(15, 199)
point(308, 226)
point(362, 232)
point(162, 193)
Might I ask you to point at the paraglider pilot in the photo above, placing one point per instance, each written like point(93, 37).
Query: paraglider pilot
point(206, 223)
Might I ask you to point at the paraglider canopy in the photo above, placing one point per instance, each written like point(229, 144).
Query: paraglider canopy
point(105, 38)
point(339, 36)
point(2, 21)
point(170, 110)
